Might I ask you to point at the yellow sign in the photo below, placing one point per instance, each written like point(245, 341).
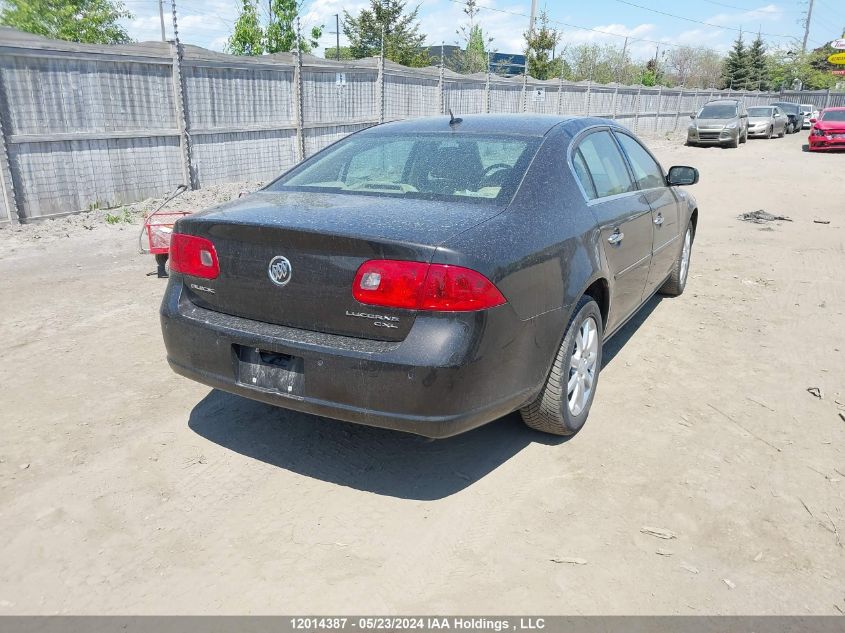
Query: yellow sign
point(837, 58)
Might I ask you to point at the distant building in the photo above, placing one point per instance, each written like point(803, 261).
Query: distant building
point(507, 64)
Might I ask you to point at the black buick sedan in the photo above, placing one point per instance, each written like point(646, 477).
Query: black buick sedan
point(432, 275)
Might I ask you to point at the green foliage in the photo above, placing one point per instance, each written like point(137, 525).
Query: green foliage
point(120, 218)
point(811, 68)
point(758, 72)
point(345, 53)
point(473, 57)
point(403, 43)
point(279, 36)
point(86, 21)
point(248, 36)
point(539, 45)
point(736, 71)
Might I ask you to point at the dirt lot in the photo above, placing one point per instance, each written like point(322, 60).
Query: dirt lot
point(127, 489)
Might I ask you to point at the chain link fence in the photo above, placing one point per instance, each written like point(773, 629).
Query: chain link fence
point(85, 126)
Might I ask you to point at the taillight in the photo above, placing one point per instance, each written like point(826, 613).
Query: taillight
point(194, 256)
point(419, 286)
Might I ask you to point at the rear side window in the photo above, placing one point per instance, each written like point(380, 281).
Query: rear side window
point(646, 170)
point(605, 165)
point(583, 175)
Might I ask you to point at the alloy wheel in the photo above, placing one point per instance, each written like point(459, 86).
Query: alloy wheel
point(582, 366)
point(685, 257)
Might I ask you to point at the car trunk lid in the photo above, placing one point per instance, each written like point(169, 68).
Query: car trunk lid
point(325, 237)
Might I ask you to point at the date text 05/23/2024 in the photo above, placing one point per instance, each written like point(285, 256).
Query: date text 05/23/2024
point(417, 624)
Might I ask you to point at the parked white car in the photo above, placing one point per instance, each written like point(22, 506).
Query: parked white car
point(810, 112)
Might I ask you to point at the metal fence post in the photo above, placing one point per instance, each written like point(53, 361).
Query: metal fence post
point(181, 107)
point(637, 103)
point(525, 91)
point(827, 99)
point(487, 87)
point(678, 112)
point(657, 114)
point(589, 95)
point(6, 180)
point(559, 92)
point(613, 107)
point(440, 88)
point(380, 84)
point(297, 106)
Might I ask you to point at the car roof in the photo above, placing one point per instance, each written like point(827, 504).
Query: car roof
point(835, 108)
point(724, 100)
point(516, 124)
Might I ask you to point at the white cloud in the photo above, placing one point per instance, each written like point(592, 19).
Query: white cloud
point(767, 13)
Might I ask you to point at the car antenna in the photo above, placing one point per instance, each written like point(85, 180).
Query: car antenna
point(452, 119)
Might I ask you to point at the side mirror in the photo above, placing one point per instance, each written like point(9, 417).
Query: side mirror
point(680, 176)
point(692, 116)
point(814, 120)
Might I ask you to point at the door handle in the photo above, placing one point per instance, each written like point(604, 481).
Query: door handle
point(617, 237)
point(658, 220)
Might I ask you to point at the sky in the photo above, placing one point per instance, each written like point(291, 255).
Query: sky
point(710, 23)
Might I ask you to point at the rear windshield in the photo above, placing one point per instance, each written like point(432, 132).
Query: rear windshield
point(759, 111)
point(788, 107)
point(718, 111)
point(422, 166)
point(833, 115)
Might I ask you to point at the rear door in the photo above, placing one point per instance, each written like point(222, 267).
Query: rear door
point(624, 219)
point(665, 213)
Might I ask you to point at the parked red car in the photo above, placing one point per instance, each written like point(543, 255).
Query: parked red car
point(828, 131)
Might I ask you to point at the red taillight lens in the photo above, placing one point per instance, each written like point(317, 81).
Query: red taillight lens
point(194, 256)
point(419, 286)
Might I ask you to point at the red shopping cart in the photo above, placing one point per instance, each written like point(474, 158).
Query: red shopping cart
point(158, 226)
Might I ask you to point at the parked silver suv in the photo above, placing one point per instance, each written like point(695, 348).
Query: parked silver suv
point(719, 122)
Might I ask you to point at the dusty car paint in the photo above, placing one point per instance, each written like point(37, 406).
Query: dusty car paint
point(437, 373)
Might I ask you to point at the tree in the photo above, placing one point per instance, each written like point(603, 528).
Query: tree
point(811, 68)
point(473, 57)
point(86, 21)
point(279, 36)
point(680, 62)
point(758, 73)
point(736, 72)
point(248, 36)
point(539, 46)
point(403, 43)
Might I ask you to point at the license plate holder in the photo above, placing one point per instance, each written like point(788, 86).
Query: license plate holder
point(271, 371)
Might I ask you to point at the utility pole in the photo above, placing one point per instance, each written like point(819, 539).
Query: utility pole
point(807, 27)
point(622, 61)
point(533, 16)
point(337, 35)
point(161, 15)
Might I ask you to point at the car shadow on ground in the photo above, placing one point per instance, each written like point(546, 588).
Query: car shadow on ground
point(365, 458)
point(369, 459)
point(615, 344)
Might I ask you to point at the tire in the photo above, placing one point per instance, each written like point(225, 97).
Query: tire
point(552, 411)
point(734, 143)
point(771, 132)
point(677, 281)
point(782, 132)
point(743, 138)
point(790, 128)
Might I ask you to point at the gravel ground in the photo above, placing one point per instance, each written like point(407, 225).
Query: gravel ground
point(708, 480)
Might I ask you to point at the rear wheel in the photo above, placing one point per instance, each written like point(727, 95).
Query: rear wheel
point(564, 403)
point(677, 281)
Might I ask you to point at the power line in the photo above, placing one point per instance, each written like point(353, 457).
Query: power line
point(680, 17)
point(573, 26)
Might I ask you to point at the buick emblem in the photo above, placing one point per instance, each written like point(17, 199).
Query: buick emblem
point(279, 270)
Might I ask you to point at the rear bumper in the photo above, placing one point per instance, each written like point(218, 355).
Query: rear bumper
point(452, 373)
